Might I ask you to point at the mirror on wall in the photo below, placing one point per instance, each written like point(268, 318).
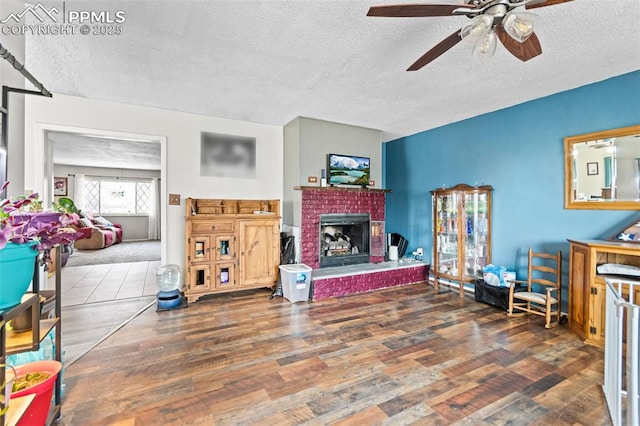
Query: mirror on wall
point(602, 170)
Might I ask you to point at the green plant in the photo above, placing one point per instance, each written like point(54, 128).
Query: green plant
point(34, 205)
point(3, 402)
point(65, 205)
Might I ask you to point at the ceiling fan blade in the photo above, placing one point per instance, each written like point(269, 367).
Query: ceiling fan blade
point(417, 10)
point(524, 51)
point(532, 4)
point(436, 51)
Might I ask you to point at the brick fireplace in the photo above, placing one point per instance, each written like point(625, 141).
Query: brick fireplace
point(317, 201)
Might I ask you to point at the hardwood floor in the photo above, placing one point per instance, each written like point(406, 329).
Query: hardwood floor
point(400, 356)
point(83, 326)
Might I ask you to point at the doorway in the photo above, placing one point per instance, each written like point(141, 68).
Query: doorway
point(114, 180)
point(111, 176)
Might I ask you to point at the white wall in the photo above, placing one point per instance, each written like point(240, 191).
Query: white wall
point(291, 206)
point(12, 78)
point(134, 227)
point(182, 153)
point(319, 138)
point(308, 142)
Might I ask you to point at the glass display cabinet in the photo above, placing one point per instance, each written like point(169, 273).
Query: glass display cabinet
point(461, 233)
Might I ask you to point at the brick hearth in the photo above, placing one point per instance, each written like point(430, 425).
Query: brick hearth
point(389, 274)
point(334, 200)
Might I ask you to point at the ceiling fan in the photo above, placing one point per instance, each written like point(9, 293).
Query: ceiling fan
point(490, 20)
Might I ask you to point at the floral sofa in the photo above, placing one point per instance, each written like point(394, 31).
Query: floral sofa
point(98, 233)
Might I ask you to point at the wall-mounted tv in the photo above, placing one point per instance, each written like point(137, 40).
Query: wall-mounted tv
point(349, 170)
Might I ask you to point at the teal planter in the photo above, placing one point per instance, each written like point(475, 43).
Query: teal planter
point(16, 271)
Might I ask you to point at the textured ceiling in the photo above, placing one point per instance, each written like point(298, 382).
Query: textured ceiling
point(77, 149)
point(272, 60)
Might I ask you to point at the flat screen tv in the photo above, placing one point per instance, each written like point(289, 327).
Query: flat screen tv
point(348, 170)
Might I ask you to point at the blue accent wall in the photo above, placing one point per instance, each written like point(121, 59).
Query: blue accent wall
point(519, 151)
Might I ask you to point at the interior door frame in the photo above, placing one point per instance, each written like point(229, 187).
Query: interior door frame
point(44, 175)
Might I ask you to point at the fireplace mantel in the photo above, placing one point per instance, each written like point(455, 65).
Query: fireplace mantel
point(339, 188)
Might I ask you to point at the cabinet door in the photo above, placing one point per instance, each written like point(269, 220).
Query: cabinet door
point(199, 278)
point(199, 249)
point(579, 289)
point(597, 308)
point(446, 234)
point(225, 247)
point(475, 228)
point(225, 276)
point(259, 252)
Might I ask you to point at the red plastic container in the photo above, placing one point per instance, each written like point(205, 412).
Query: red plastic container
point(38, 411)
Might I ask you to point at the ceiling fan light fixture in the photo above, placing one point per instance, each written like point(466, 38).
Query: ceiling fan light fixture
point(519, 25)
point(485, 47)
point(478, 27)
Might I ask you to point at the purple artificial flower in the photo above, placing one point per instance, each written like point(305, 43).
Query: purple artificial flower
point(19, 227)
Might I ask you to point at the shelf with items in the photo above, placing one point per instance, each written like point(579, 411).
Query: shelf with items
point(461, 233)
point(18, 342)
point(25, 341)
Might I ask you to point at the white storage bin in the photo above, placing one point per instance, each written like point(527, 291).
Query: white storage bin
point(296, 282)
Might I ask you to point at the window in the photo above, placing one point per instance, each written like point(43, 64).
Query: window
point(117, 196)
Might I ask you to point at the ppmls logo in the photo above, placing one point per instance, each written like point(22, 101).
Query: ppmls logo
point(38, 11)
point(69, 22)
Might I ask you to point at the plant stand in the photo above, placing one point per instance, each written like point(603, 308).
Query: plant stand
point(13, 343)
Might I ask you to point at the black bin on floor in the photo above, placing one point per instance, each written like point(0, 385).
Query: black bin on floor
point(492, 295)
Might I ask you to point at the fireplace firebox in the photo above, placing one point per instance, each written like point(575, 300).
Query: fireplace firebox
point(344, 239)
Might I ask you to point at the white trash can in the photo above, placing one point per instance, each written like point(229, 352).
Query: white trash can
point(296, 282)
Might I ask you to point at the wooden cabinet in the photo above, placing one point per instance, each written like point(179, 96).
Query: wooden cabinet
point(231, 245)
point(461, 233)
point(587, 290)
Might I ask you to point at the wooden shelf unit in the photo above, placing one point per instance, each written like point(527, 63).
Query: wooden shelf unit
point(231, 245)
point(587, 289)
point(24, 341)
point(13, 343)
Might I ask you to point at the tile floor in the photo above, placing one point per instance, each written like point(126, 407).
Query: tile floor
point(102, 283)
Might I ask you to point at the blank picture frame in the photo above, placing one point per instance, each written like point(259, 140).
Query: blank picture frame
point(227, 156)
point(592, 169)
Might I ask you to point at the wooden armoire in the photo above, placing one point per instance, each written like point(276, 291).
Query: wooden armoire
point(230, 245)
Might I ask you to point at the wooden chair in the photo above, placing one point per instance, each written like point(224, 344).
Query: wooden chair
point(545, 271)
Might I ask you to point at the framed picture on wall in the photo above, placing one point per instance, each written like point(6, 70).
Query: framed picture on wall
point(227, 156)
point(60, 186)
point(592, 169)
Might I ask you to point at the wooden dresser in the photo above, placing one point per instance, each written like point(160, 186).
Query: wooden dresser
point(587, 289)
point(231, 245)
